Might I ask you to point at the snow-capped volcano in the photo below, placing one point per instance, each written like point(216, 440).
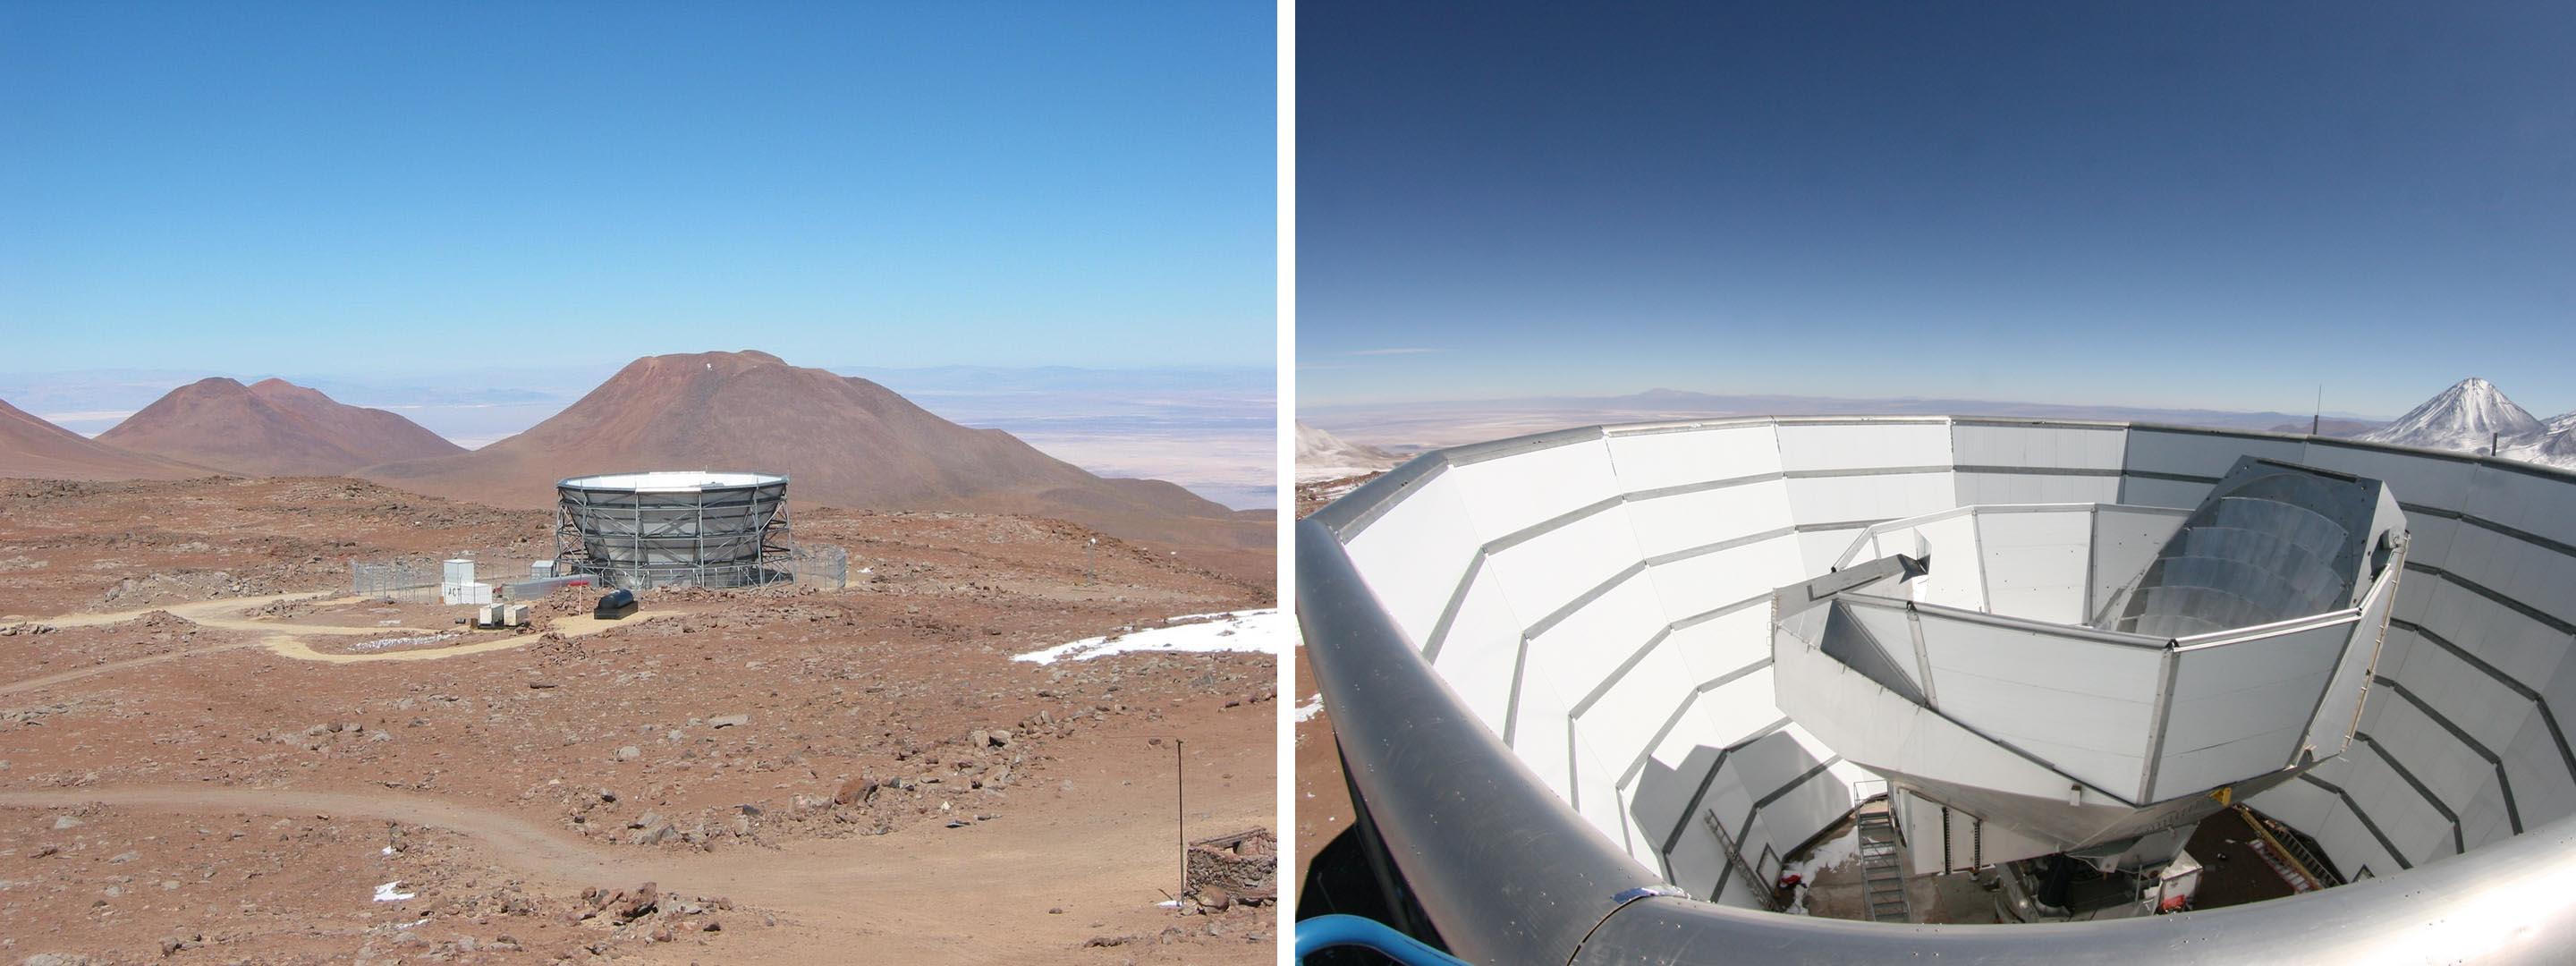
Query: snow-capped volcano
point(2468, 417)
point(1324, 456)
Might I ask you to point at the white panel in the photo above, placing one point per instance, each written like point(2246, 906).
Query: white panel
point(2200, 454)
point(1734, 711)
point(2124, 543)
point(1894, 635)
point(1627, 716)
point(1716, 648)
point(2534, 575)
point(1713, 580)
point(2303, 805)
point(1484, 644)
point(2546, 507)
point(1818, 549)
point(1863, 445)
point(1550, 570)
point(1876, 496)
point(2542, 786)
point(2422, 480)
point(2048, 446)
point(1510, 494)
point(1414, 555)
point(1958, 576)
point(1649, 461)
point(1539, 738)
point(2140, 491)
point(2084, 707)
point(1598, 801)
point(2035, 563)
point(1691, 520)
point(1989, 488)
point(2523, 648)
point(2240, 710)
point(2429, 539)
point(1581, 651)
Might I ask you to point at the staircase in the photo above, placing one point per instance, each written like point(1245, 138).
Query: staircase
point(1882, 868)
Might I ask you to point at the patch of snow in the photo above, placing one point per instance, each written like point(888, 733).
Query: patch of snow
point(1324, 456)
point(1832, 854)
point(388, 892)
point(1255, 631)
point(383, 643)
point(1310, 707)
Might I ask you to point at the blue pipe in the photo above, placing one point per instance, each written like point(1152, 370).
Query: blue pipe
point(1328, 932)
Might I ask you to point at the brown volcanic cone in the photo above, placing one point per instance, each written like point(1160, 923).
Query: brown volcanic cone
point(31, 447)
point(842, 441)
point(274, 428)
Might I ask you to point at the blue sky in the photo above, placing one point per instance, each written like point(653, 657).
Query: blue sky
point(2215, 205)
point(409, 187)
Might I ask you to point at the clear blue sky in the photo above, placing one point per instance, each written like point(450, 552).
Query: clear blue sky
point(2146, 204)
point(408, 186)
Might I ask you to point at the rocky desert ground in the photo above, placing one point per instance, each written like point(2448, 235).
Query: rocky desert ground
point(211, 752)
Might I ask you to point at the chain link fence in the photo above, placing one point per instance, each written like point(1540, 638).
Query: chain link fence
point(409, 580)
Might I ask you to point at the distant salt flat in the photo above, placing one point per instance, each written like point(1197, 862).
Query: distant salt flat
point(1253, 631)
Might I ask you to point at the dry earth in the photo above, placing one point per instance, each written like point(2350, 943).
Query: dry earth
point(198, 771)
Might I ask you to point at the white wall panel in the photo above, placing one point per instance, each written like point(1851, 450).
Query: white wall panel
point(1512, 493)
point(2525, 502)
point(1597, 798)
point(1876, 496)
point(1551, 570)
point(2085, 448)
point(1583, 649)
point(1414, 554)
point(1706, 582)
point(1580, 653)
point(1843, 446)
point(1484, 644)
point(2429, 539)
point(2526, 649)
point(1649, 461)
point(1688, 521)
point(1539, 736)
point(2035, 563)
point(2200, 454)
point(1717, 647)
point(1989, 488)
point(1737, 709)
point(2420, 480)
point(2141, 491)
point(1818, 549)
point(2542, 786)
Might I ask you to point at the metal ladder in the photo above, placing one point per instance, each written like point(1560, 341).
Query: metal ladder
point(2290, 848)
point(1882, 867)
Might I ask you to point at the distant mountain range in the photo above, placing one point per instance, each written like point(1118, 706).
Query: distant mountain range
point(31, 447)
point(844, 441)
point(271, 428)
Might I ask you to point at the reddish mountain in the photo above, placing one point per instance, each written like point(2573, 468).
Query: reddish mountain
point(31, 447)
point(273, 428)
point(843, 441)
